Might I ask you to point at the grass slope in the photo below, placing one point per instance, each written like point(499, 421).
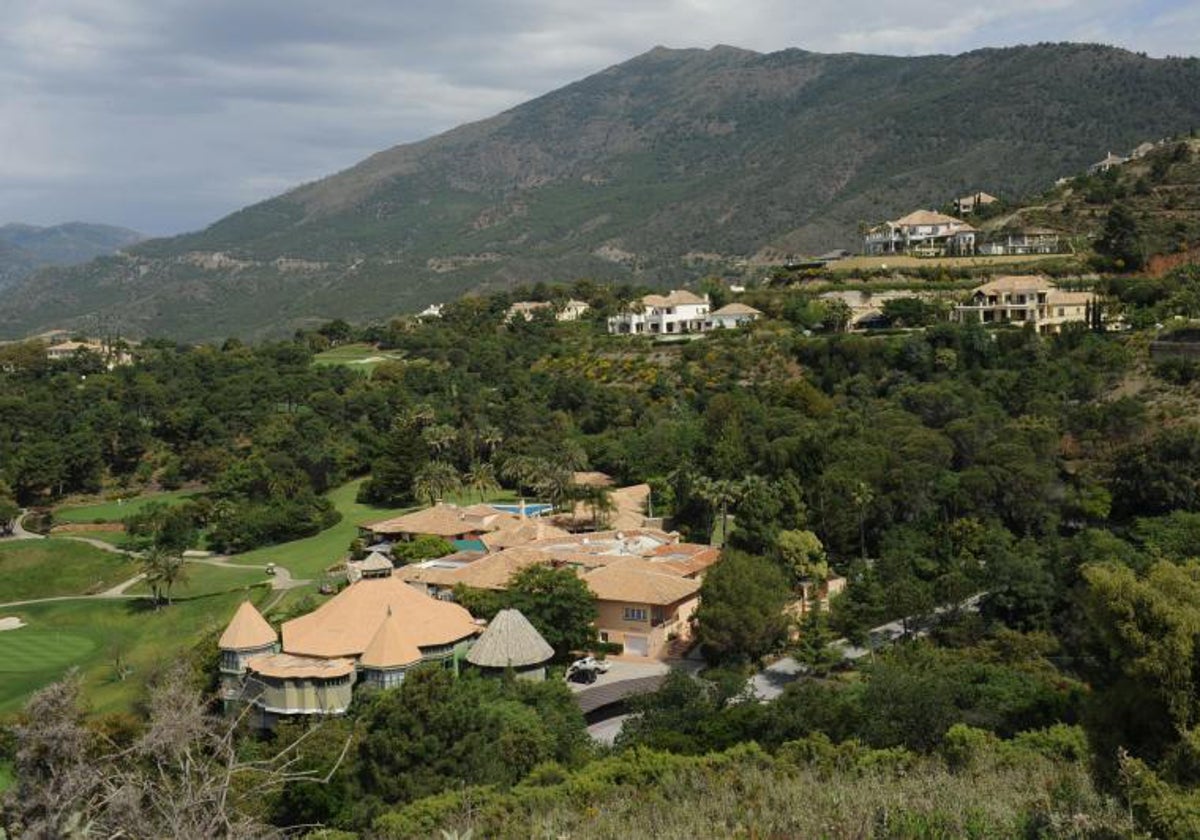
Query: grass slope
point(52, 567)
point(205, 579)
point(115, 511)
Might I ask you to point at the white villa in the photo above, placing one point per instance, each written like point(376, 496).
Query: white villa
point(1021, 300)
point(924, 233)
point(731, 316)
point(676, 313)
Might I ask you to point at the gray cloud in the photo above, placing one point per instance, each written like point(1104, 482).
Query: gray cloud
point(166, 114)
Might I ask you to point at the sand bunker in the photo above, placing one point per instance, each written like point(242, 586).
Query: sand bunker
point(11, 623)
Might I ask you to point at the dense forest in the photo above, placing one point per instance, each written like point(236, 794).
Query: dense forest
point(1028, 504)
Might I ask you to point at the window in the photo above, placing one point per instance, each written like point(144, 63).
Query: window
point(635, 614)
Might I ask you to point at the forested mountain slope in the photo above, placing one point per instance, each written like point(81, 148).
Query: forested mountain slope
point(26, 248)
point(670, 165)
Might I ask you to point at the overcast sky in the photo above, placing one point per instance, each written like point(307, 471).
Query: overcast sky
point(164, 115)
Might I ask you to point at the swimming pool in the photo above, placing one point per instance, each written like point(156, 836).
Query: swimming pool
point(531, 508)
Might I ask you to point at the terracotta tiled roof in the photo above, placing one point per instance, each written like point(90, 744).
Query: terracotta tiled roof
point(685, 559)
point(1017, 283)
point(677, 297)
point(443, 520)
point(392, 647)
point(1059, 298)
point(247, 630)
point(592, 479)
point(346, 624)
point(491, 571)
point(636, 581)
point(929, 217)
point(520, 533)
point(286, 666)
point(737, 309)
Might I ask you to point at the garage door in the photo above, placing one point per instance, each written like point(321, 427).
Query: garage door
point(637, 645)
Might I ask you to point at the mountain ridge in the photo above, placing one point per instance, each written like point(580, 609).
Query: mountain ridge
point(24, 248)
point(670, 165)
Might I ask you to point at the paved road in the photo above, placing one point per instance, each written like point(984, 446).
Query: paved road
point(606, 731)
point(769, 683)
point(19, 532)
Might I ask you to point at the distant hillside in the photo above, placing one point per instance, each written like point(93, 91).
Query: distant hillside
point(1160, 189)
point(672, 165)
point(26, 248)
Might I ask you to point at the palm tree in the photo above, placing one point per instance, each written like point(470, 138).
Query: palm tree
point(862, 495)
point(720, 494)
point(570, 456)
point(552, 482)
point(490, 437)
point(481, 479)
point(520, 470)
point(163, 569)
point(600, 500)
point(436, 480)
point(439, 438)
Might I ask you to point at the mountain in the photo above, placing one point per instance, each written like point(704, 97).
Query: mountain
point(674, 164)
point(26, 248)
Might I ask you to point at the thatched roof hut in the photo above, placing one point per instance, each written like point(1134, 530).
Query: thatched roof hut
point(510, 641)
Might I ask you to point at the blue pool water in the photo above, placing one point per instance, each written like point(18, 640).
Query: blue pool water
point(531, 509)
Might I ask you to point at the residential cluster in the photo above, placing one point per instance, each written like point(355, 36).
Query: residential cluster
point(388, 619)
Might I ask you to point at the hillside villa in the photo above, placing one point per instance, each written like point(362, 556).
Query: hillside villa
point(646, 582)
point(924, 233)
point(1022, 242)
point(572, 310)
point(968, 204)
point(671, 314)
point(112, 356)
point(678, 313)
point(1027, 299)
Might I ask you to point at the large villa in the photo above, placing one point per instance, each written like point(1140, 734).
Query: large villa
point(388, 620)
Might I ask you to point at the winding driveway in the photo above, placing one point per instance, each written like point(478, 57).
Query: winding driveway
point(281, 581)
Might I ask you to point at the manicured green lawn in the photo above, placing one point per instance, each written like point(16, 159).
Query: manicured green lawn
point(27, 650)
point(116, 511)
point(356, 356)
point(145, 640)
point(116, 538)
point(203, 579)
point(46, 568)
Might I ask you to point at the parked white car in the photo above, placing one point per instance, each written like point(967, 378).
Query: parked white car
point(586, 670)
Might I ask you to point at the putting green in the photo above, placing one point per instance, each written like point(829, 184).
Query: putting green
point(27, 649)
